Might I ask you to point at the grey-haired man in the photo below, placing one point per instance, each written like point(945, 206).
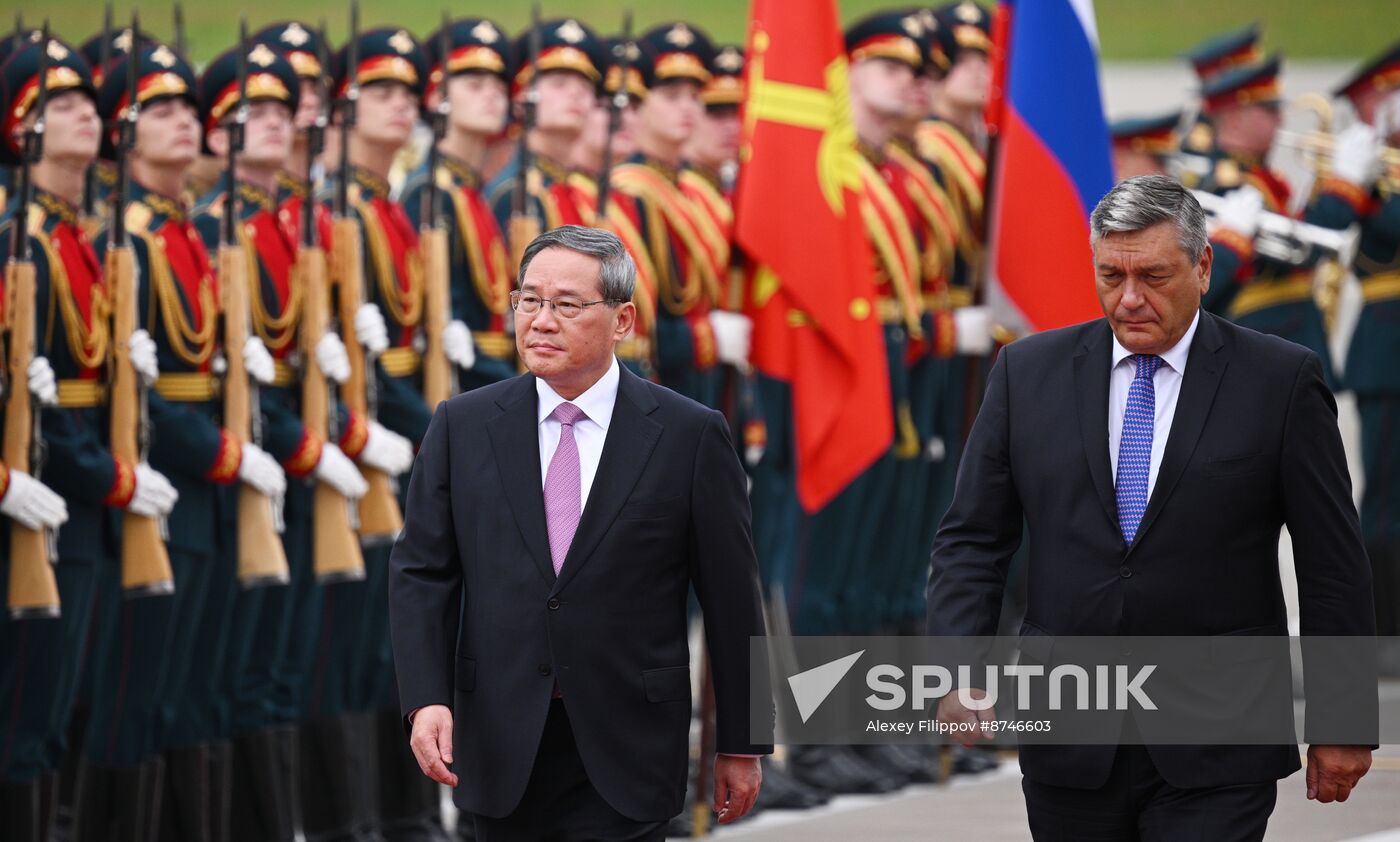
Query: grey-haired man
point(1154, 456)
point(555, 522)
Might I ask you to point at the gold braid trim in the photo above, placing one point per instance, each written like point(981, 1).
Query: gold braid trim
point(406, 307)
point(493, 284)
point(276, 332)
point(87, 346)
point(192, 346)
point(661, 195)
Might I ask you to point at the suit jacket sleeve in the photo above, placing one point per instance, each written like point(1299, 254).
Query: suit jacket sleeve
point(1329, 557)
point(724, 571)
point(425, 578)
point(982, 529)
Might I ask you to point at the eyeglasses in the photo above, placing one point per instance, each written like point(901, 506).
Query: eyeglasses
point(565, 307)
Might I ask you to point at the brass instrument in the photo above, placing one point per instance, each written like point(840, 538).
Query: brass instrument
point(1287, 239)
point(1316, 147)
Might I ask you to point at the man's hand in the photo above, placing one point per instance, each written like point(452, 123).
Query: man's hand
point(968, 722)
point(1334, 771)
point(737, 780)
point(431, 742)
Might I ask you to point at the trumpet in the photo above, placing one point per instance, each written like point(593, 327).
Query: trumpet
point(1290, 240)
point(1317, 147)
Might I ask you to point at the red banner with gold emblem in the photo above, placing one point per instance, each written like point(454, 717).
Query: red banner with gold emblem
point(798, 218)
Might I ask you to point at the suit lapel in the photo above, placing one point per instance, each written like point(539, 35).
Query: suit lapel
point(515, 442)
point(1091, 370)
point(1205, 366)
point(632, 436)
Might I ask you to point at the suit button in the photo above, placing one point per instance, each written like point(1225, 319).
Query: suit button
point(553, 604)
point(544, 669)
point(1125, 572)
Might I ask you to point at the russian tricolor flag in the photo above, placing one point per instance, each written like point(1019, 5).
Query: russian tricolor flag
point(1051, 164)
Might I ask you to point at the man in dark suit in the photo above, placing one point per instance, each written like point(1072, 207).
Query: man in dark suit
point(1154, 456)
point(555, 522)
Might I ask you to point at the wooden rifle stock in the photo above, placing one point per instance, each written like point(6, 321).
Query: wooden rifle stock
point(522, 231)
point(33, 589)
point(145, 562)
point(380, 518)
point(437, 308)
point(335, 547)
point(261, 557)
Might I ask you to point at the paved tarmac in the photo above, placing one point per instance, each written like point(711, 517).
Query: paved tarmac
point(990, 808)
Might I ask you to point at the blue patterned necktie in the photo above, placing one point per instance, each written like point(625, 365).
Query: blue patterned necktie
point(1135, 446)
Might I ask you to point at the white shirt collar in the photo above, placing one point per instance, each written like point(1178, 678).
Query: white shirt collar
point(596, 402)
point(1174, 357)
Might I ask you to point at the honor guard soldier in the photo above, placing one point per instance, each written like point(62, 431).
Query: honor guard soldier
point(562, 76)
point(388, 70)
point(100, 51)
point(609, 139)
point(1144, 145)
point(1363, 187)
point(178, 304)
point(1267, 294)
point(264, 618)
point(954, 137)
point(1208, 60)
point(712, 154)
point(687, 250)
point(473, 77)
point(599, 140)
point(41, 652)
point(8, 46)
point(303, 47)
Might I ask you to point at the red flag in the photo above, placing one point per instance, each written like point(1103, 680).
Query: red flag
point(797, 217)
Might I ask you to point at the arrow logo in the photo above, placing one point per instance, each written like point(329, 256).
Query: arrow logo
point(810, 688)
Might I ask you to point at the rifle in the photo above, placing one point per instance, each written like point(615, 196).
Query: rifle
point(439, 375)
point(145, 562)
point(624, 52)
point(380, 518)
point(524, 225)
point(181, 44)
point(261, 558)
point(335, 547)
point(33, 588)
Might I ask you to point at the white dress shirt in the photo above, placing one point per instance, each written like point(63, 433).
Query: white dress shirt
point(589, 433)
point(1166, 385)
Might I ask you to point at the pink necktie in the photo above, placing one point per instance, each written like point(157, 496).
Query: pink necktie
point(563, 496)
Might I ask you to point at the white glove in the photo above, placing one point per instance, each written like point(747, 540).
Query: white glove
point(1356, 155)
point(973, 330)
point(732, 335)
point(332, 359)
point(154, 495)
point(141, 350)
point(386, 450)
point(1239, 211)
point(336, 470)
point(261, 471)
point(258, 362)
point(370, 329)
point(457, 344)
point(32, 503)
point(42, 384)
